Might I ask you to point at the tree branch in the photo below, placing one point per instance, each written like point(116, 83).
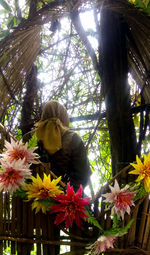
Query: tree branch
point(103, 115)
point(80, 30)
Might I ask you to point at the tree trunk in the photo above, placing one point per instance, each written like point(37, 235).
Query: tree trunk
point(113, 59)
point(27, 120)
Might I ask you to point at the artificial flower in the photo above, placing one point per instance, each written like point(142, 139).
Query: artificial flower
point(37, 206)
point(120, 199)
point(17, 150)
point(143, 170)
point(102, 244)
point(70, 207)
point(40, 189)
point(13, 175)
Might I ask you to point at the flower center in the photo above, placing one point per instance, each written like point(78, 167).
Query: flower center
point(11, 176)
point(44, 193)
point(146, 170)
point(124, 199)
point(17, 154)
point(70, 208)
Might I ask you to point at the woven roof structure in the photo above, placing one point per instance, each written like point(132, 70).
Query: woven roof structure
point(138, 40)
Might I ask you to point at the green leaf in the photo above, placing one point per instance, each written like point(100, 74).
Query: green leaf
point(116, 221)
point(33, 141)
point(119, 231)
point(98, 78)
point(5, 5)
point(19, 134)
point(20, 193)
point(146, 2)
point(4, 33)
point(10, 22)
point(92, 220)
point(47, 202)
point(141, 192)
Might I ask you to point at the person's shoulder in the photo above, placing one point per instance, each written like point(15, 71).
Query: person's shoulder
point(71, 133)
point(72, 138)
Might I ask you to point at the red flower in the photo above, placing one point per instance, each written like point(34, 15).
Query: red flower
point(71, 207)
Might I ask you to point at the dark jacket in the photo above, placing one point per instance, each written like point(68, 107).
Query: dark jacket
point(70, 162)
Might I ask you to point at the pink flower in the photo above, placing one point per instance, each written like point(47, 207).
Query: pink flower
point(70, 207)
point(121, 199)
point(17, 150)
point(13, 175)
point(102, 244)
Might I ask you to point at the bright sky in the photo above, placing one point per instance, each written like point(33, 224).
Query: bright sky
point(88, 23)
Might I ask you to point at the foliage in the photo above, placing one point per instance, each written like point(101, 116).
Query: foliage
point(141, 191)
point(143, 5)
point(92, 220)
point(119, 231)
point(33, 141)
point(20, 193)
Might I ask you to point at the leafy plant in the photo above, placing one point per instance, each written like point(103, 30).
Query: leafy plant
point(33, 141)
point(92, 220)
point(119, 231)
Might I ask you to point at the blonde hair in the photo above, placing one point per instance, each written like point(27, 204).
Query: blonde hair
point(53, 109)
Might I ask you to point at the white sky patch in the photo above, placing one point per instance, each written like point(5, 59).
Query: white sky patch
point(87, 20)
point(95, 184)
point(22, 3)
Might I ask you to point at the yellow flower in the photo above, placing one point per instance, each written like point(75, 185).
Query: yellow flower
point(40, 189)
point(143, 170)
point(37, 205)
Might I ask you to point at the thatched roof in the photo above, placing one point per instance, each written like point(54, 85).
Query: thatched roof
point(138, 43)
point(19, 50)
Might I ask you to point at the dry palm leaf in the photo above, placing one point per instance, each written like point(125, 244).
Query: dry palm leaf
point(16, 59)
point(18, 52)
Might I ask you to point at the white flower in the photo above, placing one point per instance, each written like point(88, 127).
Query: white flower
point(13, 175)
point(17, 150)
point(120, 199)
point(102, 244)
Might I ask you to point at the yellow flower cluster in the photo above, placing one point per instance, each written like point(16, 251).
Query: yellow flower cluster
point(143, 170)
point(42, 189)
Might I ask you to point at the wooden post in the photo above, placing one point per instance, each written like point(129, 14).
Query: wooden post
point(113, 61)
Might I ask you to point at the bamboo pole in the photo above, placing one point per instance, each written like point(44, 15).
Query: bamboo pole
point(135, 250)
point(44, 233)
point(30, 225)
point(48, 242)
point(147, 230)
point(13, 224)
point(142, 222)
point(37, 229)
point(1, 220)
point(132, 230)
